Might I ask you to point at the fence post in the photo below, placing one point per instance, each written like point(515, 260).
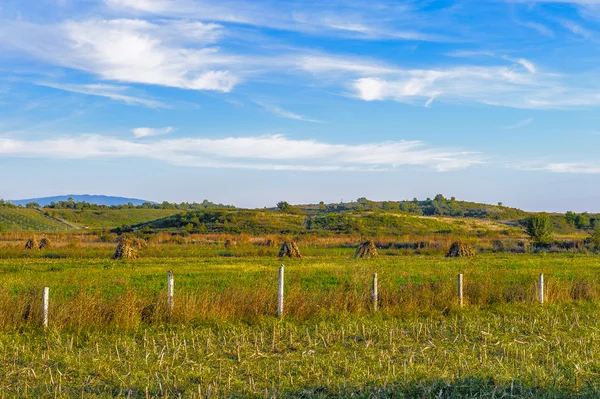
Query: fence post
point(45, 306)
point(280, 294)
point(460, 289)
point(170, 292)
point(374, 293)
point(541, 288)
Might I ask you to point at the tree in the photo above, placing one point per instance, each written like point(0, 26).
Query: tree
point(581, 222)
point(33, 205)
point(540, 228)
point(283, 206)
point(570, 217)
point(596, 238)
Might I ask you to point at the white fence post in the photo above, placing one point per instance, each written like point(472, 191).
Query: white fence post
point(280, 294)
point(541, 288)
point(460, 289)
point(374, 293)
point(170, 294)
point(45, 306)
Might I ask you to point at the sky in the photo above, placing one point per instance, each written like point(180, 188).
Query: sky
point(254, 102)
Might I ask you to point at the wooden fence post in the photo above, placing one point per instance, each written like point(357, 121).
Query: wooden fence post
point(460, 289)
point(541, 288)
point(170, 294)
point(374, 293)
point(45, 306)
point(280, 294)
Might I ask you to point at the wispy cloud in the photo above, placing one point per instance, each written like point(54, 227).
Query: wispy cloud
point(141, 132)
point(114, 92)
point(522, 123)
point(588, 168)
point(275, 152)
point(576, 28)
point(540, 28)
point(282, 113)
point(346, 19)
point(519, 85)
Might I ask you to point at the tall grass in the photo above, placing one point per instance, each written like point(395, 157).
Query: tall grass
point(307, 297)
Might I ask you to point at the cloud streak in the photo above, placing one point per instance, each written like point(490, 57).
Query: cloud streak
point(275, 152)
point(114, 92)
point(282, 113)
point(522, 123)
point(586, 168)
point(142, 132)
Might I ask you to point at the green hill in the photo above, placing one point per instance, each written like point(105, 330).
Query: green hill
point(365, 223)
point(25, 219)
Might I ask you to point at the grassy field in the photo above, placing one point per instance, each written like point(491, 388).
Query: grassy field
point(109, 335)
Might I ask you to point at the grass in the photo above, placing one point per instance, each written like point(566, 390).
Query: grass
point(109, 335)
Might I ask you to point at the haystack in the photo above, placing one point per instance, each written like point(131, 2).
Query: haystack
point(32, 243)
point(126, 248)
point(289, 249)
point(366, 250)
point(45, 243)
point(139, 243)
point(459, 250)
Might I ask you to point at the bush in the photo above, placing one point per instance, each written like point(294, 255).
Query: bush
point(540, 228)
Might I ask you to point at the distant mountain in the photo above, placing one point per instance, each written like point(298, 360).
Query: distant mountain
point(93, 199)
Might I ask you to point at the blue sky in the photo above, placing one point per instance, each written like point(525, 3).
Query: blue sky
point(252, 102)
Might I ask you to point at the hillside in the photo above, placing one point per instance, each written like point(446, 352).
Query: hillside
point(108, 218)
point(24, 219)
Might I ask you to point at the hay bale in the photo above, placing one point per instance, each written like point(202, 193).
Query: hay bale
point(140, 243)
point(366, 250)
point(289, 249)
point(31, 244)
point(459, 250)
point(45, 243)
point(126, 248)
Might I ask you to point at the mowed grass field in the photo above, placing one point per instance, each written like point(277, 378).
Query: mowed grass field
point(109, 335)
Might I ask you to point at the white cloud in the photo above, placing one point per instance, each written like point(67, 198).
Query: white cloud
point(168, 53)
point(282, 113)
point(273, 152)
point(141, 132)
point(519, 124)
point(117, 93)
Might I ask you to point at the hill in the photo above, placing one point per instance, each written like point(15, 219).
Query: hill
point(92, 199)
point(369, 223)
